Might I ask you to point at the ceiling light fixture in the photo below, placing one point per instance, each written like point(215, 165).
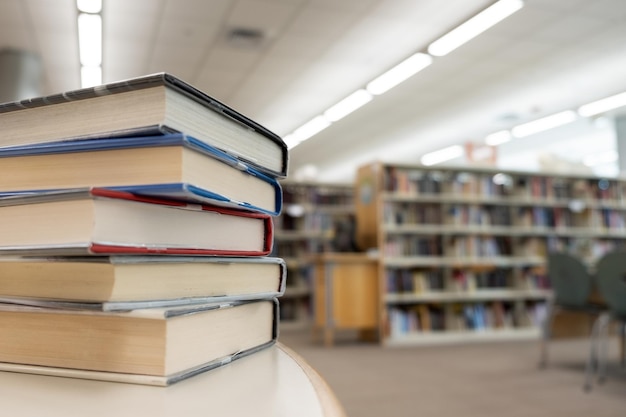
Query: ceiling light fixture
point(604, 105)
point(498, 138)
point(90, 41)
point(290, 140)
point(349, 104)
point(310, 128)
point(89, 6)
point(90, 76)
point(407, 68)
point(474, 26)
point(545, 123)
point(442, 155)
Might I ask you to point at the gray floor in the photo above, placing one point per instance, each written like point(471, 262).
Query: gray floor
point(496, 379)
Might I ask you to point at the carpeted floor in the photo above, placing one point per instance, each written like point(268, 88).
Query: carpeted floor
point(496, 379)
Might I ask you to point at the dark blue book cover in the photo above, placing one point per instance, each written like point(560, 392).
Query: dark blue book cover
point(230, 170)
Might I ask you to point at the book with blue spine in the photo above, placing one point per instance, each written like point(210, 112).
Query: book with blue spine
point(174, 166)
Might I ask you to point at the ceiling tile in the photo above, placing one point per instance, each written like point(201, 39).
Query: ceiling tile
point(172, 34)
point(320, 23)
point(129, 27)
point(54, 16)
point(268, 16)
point(12, 11)
point(611, 10)
point(560, 6)
point(182, 61)
point(350, 6)
point(231, 59)
point(149, 9)
point(197, 11)
point(564, 29)
point(220, 83)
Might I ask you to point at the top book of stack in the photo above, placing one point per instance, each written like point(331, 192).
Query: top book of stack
point(148, 105)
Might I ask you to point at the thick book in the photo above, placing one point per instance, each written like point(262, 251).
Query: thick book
point(170, 166)
point(156, 103)
point(101, 221)
point(146, 346)
point(113, 283)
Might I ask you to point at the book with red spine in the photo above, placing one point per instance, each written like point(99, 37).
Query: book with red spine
point(100, 221)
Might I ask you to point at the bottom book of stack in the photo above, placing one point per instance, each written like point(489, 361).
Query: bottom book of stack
point(109, 330)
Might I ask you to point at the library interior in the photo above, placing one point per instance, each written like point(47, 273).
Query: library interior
point(313, 207)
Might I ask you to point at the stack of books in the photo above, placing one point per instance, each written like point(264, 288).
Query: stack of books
point(137, 228)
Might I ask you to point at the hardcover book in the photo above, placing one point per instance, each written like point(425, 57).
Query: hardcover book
point(101, 221)
point(173, 166)
point(151, 104)
point(147, 346)
point(111, 283)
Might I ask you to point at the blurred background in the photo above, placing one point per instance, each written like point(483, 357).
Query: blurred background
point(285, 62)
point(521, 86)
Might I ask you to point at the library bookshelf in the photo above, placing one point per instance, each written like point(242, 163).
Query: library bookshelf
point(312, 215)
point(462, 252)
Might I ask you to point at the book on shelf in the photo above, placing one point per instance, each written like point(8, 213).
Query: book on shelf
point(102, 221)
point(146, 105)
point(173, 166)
point(111, 283)
point(144, 346)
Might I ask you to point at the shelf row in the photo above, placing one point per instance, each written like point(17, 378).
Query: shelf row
point(414, 213)
point(465, 317)
point(451, 229)
point(492, 182)
point(453, 337)
point(468, 296)
point(482, 249)
point(317, 194)
point(504, 200)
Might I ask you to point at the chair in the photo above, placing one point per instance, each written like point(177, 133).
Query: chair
point(611, 282)
point(572, 285)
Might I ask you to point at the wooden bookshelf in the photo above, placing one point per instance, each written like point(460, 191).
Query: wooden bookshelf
point(462, 251)
point(312, 214)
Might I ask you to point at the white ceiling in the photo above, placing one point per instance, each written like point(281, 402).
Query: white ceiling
point(550, 56)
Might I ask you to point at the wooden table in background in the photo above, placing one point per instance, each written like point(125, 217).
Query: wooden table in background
point(346, 293)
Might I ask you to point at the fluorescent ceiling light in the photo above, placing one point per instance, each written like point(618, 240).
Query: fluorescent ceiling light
point(474, 26)
point(498, 138)
point(90, 39)
point(89, 6)
point(90, 76)
point(290, 140)
point(399, 73)
point(603, 105)
point(348, 105)
point(600, 159)
point(309, 129)
point(442, 155)
point(545, 123)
